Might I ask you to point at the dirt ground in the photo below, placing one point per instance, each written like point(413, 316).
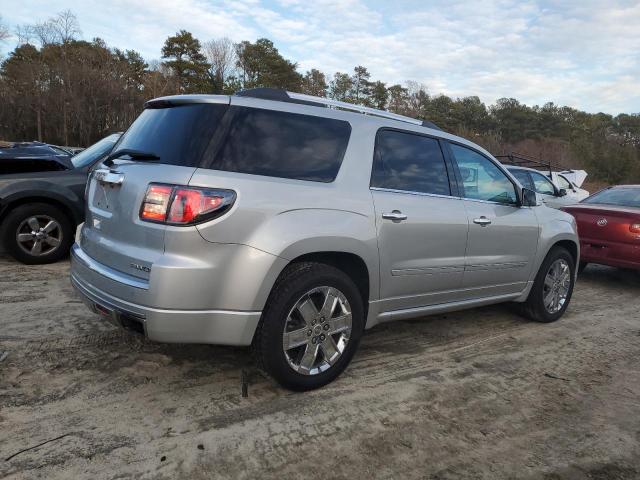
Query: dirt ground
point(476, 394)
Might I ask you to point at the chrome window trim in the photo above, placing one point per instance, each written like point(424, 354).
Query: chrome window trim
point(411, 192)
point(477, 200)
point(454, 197)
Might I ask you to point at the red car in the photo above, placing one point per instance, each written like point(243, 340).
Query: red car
point(609, 227)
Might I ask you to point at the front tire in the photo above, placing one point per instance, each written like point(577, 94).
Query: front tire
point(311, 326)
point(37, 233)
point(552, 289)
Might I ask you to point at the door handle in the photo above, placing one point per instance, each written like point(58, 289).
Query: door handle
point(482, 221)
point(396, 216)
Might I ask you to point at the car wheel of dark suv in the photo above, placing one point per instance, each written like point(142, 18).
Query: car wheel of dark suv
point(553, 286)
point(311, 326)
point(37, 233)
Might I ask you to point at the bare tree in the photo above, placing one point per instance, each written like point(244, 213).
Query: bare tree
point(66, 26)
point(24, 34)
point(62, 28)
point(4, 30)
point(221, 54)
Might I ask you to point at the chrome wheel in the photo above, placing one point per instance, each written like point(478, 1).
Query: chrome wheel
point(39, 235)
point(317, 330)
point(556, 286)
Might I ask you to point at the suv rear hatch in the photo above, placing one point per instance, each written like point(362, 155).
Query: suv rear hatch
point(178, 132)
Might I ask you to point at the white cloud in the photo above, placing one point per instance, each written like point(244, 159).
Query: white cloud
point(580, 53)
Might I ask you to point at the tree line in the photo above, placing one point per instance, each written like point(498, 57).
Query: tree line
point(58, 88)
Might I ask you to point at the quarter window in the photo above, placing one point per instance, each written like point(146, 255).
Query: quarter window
point(281, 144)
point(482, 179)
point(542, 184)
point(414, 163)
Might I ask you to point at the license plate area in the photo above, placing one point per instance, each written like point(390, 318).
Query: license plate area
point(103, 196)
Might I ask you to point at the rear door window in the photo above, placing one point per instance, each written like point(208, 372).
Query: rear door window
point(281, 144)
point(409, 162)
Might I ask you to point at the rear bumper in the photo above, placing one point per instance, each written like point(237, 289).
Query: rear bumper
point(222, 327)
point(610, 253)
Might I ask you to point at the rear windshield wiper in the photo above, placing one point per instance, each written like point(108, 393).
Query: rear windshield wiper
point(134, 154)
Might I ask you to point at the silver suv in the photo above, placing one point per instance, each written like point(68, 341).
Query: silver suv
point(293, 223)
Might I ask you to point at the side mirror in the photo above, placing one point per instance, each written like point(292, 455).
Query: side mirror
point(562, 193)
point(529, 198)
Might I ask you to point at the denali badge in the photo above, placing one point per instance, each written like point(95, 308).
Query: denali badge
point(602, 222)
point(142, 268)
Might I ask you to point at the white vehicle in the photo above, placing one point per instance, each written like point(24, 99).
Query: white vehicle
point(549, 192)
point(571, 181)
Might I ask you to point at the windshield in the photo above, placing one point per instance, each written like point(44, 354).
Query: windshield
point(625, 197)
point(95, 151)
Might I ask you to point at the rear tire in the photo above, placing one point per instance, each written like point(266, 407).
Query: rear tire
point(298, 342)
point(37, 233)
point(548, 299)
point(582, 266)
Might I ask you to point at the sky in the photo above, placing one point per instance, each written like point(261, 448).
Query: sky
point(584, 54)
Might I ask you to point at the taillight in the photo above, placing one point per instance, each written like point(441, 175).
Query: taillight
point(177, 205)
point(155, 203)
point(634, 228)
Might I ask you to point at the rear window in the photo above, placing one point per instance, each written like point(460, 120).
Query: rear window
point(624, 197)
point(241, 139)
point(178, 135)
point(280, 144)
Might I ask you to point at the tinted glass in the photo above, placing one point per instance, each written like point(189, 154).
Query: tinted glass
point(403, 161)
point(625, 197)
point(523, 177)
point(482, 179)
point(94, 152)
point(542, 184)
point(179, 135)
point(280, 144)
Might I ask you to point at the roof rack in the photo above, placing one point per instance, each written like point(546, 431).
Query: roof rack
point(522, 160)
point(292, 97)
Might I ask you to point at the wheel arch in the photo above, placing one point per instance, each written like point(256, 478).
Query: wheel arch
point(349, 263)
point(54, 200)
point(571, 247)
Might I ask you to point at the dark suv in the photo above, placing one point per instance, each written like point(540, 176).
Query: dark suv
point(39, 210)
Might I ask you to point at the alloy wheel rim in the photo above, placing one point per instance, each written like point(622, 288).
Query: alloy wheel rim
point(39, 235)
point(317, 330)
point(556, 287)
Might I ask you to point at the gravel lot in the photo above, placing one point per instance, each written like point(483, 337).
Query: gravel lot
point(476, 394)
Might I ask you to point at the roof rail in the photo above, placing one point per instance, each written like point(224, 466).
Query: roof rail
point(522, 160)
point(292, 97)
